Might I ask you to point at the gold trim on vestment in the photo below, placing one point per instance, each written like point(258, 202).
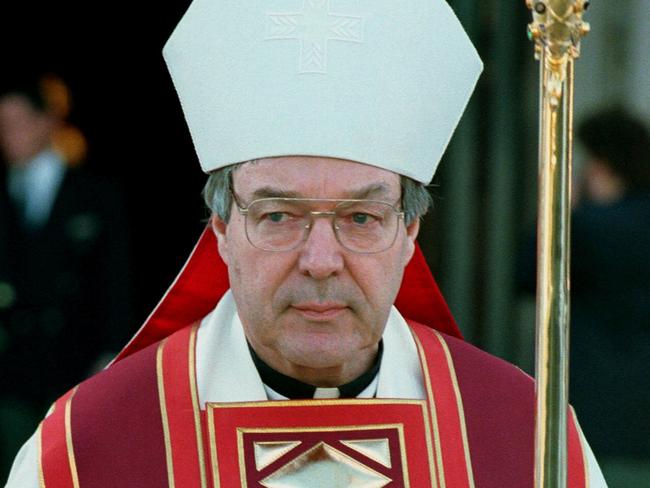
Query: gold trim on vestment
point(461, 409)
point(240, 456)
point(327, 428)
point(39, 449)
point(427, 433)
point(195, 404)
point(163, 413)
point(68, 440)
point(315, 403)
point(213, 449)
point(402, 443)
point(434, 417)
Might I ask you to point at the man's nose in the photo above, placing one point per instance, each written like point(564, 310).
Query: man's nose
point(321, 256)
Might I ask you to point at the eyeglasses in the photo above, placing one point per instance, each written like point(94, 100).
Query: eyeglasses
point(282, 224)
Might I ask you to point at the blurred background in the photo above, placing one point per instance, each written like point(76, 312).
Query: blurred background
point(137, 148)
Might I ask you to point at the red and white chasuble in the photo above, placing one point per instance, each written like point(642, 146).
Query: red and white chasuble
point(159, 435)
point(148, 421)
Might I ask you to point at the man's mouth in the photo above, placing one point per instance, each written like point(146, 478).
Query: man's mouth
point(320, 311)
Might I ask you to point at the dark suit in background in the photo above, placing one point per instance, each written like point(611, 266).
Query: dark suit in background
point(64, 297)
point(610, 326)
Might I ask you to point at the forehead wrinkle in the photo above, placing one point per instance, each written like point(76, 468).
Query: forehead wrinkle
point(373, 190)
point(275, 192)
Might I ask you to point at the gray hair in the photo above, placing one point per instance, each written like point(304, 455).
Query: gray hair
point(217, 194)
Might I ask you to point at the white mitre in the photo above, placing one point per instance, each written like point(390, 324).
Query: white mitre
point(382, 82)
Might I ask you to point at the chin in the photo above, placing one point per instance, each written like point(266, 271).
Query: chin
point(318, 355)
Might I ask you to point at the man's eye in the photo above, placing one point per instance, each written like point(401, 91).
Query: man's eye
point(276, 217)
point(362, 218)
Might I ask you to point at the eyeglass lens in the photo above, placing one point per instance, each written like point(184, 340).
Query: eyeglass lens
point(360, 226)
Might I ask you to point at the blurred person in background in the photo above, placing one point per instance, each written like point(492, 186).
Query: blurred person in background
point(64, 292)
point(610, 294)
point(610, 307)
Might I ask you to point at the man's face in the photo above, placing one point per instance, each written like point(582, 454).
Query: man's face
point(24, 131)
point(316, 312)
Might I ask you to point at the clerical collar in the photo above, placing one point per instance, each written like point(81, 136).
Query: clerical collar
point(295, 389)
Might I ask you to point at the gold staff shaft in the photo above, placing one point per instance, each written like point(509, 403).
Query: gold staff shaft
point(557, 28)
point(553, 293)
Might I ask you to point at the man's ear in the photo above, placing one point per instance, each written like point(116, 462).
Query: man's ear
point(219, 228)
point(412, 231)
